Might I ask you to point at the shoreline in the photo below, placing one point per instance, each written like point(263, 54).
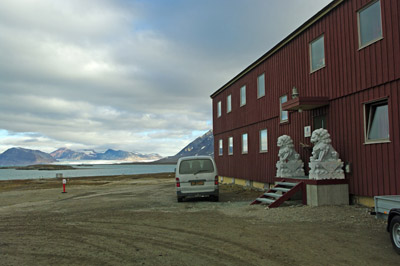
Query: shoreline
point(72, 171)
point(55, 167)
point(46, 183)
point(42, 167)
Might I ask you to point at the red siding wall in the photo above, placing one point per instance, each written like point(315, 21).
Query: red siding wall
point(351, 77)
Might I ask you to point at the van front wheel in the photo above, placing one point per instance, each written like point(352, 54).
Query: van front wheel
point(180, 199)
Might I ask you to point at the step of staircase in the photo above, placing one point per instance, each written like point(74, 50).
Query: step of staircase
point(265, 200)
point(282, 189)
point(287, 184)
point(273, 195)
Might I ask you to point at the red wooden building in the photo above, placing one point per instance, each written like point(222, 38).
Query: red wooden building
point(344, 63)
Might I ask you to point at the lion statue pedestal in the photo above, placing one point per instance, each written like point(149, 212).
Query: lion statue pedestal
point(289, 164)
point(324, 162)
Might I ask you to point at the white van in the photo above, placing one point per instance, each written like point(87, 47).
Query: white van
point(196, 176)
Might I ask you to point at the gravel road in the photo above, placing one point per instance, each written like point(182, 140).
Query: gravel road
point(136, 220)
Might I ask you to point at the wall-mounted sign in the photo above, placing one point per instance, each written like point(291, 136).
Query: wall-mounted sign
point(307, 131)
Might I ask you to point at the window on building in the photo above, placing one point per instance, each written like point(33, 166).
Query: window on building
point(376, 121)
point(245, 148)
point(317, 53)
point(219, 109)
point(369, 24)
point(263, 140)
point(284, 115)
point(243, 95)
point(229, 103)
point(261, 85)
point(230, 145)
point(221, 150)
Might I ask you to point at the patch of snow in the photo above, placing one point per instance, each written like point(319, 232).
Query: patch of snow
point(70, 162)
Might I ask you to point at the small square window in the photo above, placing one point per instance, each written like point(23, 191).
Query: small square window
point(243, 95)
point(221, 150)
point(369, 24)
point(230, 145)
point(245, 148)
point(284, 115)
point(263, 140)
point(317, 54)
point(219, 109)
point(229, 103)
point(376, 118)
point(261, 85)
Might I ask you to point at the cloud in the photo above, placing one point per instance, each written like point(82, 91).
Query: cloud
point(132, 75)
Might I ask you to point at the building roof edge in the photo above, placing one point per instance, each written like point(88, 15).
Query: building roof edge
point(282, 43)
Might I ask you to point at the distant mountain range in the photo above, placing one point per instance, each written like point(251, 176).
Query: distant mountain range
point(203, 145)
point(21, 157)
point(67, 154)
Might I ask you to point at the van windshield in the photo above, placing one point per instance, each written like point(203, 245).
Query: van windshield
point(196, 166)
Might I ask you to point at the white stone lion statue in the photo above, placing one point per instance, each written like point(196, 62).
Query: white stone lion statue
point(324, 161)
point(286, 149)
point(289, 164)
point(322, 149)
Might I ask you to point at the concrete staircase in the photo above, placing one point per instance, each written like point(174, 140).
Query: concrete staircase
point(281, 192)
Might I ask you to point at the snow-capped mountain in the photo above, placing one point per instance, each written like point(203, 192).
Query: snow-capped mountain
point(64, 153)
point(22, 157)
point(110, 154)
point(203, 145)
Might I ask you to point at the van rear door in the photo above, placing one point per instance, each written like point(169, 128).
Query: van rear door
point(197, 175)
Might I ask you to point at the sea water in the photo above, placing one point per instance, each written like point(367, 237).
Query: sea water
point(92, 170)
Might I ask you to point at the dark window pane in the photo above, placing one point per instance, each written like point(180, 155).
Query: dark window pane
point(379, 122)
point(284, 114)
point(261, 86)
point(244, 143)
point(370, 24)
point(317, 54)
point(230, 145)
point(263, 140)
point(242, 95)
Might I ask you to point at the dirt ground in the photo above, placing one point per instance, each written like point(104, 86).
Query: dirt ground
point(136, 220)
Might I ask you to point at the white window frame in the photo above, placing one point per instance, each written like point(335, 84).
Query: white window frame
point(221, 147)
point(243, 95)
point(230, 144)
point(368, 120)
point(261, 89)
point(229, 103)
point(261, 140)
point(281, 111)
point(311, 54)
point(245, 141)
point(360, 45)
point(219, 107)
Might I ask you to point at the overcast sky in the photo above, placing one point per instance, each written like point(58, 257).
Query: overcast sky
point(131, 75)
